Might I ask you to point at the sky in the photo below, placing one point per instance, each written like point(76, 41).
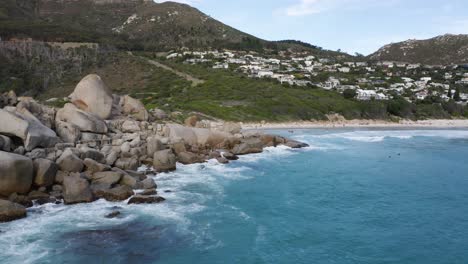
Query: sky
point(350, 25)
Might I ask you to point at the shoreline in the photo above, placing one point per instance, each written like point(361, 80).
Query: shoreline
point(431, 123)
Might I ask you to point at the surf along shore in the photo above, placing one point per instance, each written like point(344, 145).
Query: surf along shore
point(92, 148)
point(431, 123)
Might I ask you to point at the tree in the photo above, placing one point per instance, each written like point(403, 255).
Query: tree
point(349, 93)
point(456, 97)
point(449, 94)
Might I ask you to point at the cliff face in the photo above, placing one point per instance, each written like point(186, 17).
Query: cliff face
point(30, 67)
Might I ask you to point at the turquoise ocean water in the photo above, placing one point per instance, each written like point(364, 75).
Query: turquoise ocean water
point(354, 196)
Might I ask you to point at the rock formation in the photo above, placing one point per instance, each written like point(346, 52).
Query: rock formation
point(91, 148)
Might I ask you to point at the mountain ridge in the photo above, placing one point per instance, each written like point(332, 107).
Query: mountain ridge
point(440, 50)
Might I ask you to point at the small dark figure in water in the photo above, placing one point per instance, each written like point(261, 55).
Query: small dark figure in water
point(291, 131)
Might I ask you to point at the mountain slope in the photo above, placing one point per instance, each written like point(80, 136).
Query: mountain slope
point(130, 25)
point(441, 50)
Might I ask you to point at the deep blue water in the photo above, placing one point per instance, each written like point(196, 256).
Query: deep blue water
point(354, 196)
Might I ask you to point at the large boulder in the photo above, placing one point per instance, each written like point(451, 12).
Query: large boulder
point(116, 194)
point(76, 189)
point(45, 114)
point(189, 158)
point(164, 161)
point(196, 136)
point(211, 138)
point(44, 172)
point(177, 132)
point(69, 133)
point(27, 127)
point(85, 121)
point(153, 144)
point(106, 177)
point(134, 107)
point(93, 96)
point(68, 161)
point(16, 173)
point(248, 146)
point(10, 211)
point(5, 143)
point(141, 199)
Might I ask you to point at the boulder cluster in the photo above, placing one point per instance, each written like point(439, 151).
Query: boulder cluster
point(92, 147)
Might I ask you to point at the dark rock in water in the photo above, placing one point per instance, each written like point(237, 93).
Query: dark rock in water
point(230, 156)
point(248, 146)
point(295, 144)
point(149, 192)
point(113, 214)
point(35, 195)
point(76, 190)
point(130, 242)
point(222, 160)
point(167, 191)
point(116, 208)
point(116, 194)
point(10, 211)
point(47, 200)
point(140, 199)
point(20, 199)
point(148, 184)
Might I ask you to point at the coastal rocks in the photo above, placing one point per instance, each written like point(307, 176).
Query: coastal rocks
point(68, 161)
point(45, 114)
point(76, 189)
point(189, 158)
point(44, 171)
point(130, 126)
point(120, 193)
point(191, 121)
point(69, 133)
point(94, 166)
point(85, 121)
point(248, 146)
point(16, 173)
point(295, 144)
point(128, 163)
point(164, 161)
point(112, 215)
point(10, 211)
point(106, 177)
point(141, 199)
point(153, 144)
point(5, 143)
point(133, 107)
point(28, 128)
point(230, 156)
point(93, 96)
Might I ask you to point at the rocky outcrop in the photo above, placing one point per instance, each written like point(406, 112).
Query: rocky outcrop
point(248, 146)
point(85, 121)
point(134, 108)
point(28, 128)
point(120, 193)
point(93, 96)
point(70, 162)
point(76, 189)
point(164, 161)
point(141, 199)
point(44, 172)
point(10, 211)
point(16, 173)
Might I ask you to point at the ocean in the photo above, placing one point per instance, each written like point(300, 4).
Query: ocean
point(354, 196)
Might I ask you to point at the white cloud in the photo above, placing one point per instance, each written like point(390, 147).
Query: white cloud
point(305, 7)
point(189, 2)
point(310, 7)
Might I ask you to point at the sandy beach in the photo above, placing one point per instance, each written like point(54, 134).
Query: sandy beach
point(440, 123)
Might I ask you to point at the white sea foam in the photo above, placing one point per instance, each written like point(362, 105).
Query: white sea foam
point(379, 136)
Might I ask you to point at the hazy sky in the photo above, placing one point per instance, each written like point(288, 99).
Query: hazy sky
point(351, 25)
